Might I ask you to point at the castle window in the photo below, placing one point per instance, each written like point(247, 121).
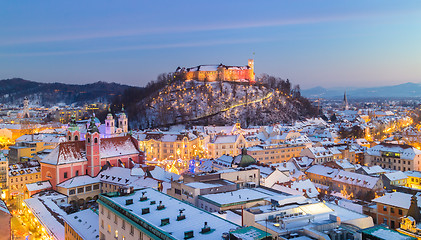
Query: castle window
point(95, 140)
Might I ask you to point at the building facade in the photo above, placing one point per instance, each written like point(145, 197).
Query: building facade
point(212, 73)
point(88, 157)
point(275, 153)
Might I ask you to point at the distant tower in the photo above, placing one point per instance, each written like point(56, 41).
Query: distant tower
point(122, 121)
point(346, 106)
point(109, 124)
point(25, 108)
point(92, 142)
point(251, 65)
point(73, 132)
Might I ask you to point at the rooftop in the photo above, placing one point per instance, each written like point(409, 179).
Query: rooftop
point(195, 218)
point(85, 223)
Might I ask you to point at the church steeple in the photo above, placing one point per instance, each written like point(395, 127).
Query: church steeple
point(414, 210)
point(109, 124)
point(92, 126)
point(346, 106)
point(73, 132)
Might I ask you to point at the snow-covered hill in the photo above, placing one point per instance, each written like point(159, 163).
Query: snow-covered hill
point(220, 103)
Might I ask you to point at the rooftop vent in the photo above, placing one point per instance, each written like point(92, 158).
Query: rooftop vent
point(153, 202)
point(188, 234)
point(181, 216)
point(145, 211)
point(205, 228)
point(160, 206)
point(165, 221)
point(143, 198)
point(129, 201)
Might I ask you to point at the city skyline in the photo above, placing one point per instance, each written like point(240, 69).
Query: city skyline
point(329, 45)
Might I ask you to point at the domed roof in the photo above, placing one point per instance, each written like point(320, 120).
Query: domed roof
point(92, 125)
point(244, 160)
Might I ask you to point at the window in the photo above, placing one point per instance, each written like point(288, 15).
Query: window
point(72, 191)
point(392, 210)
point(76, 138)
point(400, 211)
point(77, 172)
point(96, 186)
point(131, 230)
point(116, 234)
point(115, 219)
point(385, 221)
point(108, 215)
point(95, 140)
point(102, 223)
point(384, 208)
point(123, 224)
point(109, 228)
point(80, 190)
point(65, 174)
point(88, 188)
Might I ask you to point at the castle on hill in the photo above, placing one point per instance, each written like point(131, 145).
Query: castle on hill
point(212, 73)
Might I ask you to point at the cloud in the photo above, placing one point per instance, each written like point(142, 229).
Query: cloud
point(142, 47)
point(193, 28)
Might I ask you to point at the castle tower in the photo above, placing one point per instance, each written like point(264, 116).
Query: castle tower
point(346, 106)
point(73, 133)
point(251, 65)
point(25, 108)
point(92, 142)
point(123, 122)
point(109, 124)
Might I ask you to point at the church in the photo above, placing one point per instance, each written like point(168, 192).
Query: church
point(88, 154)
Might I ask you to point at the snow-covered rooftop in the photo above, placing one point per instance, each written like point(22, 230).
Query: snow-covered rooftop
point(397, 199)
point(393, 176)
point(194, 220)
point(85, 223)
point(38, 186)
point(78, 181)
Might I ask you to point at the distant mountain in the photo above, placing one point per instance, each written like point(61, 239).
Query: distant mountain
point(405, 90)
point(12, 92)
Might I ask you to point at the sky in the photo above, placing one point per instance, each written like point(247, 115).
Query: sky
point(333, 44)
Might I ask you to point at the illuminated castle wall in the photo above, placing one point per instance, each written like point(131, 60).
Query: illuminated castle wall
point(221, 72)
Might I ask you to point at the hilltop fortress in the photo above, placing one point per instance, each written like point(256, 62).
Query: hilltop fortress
point(212, 73)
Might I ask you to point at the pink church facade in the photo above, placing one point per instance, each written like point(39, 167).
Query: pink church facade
point(88, 157)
